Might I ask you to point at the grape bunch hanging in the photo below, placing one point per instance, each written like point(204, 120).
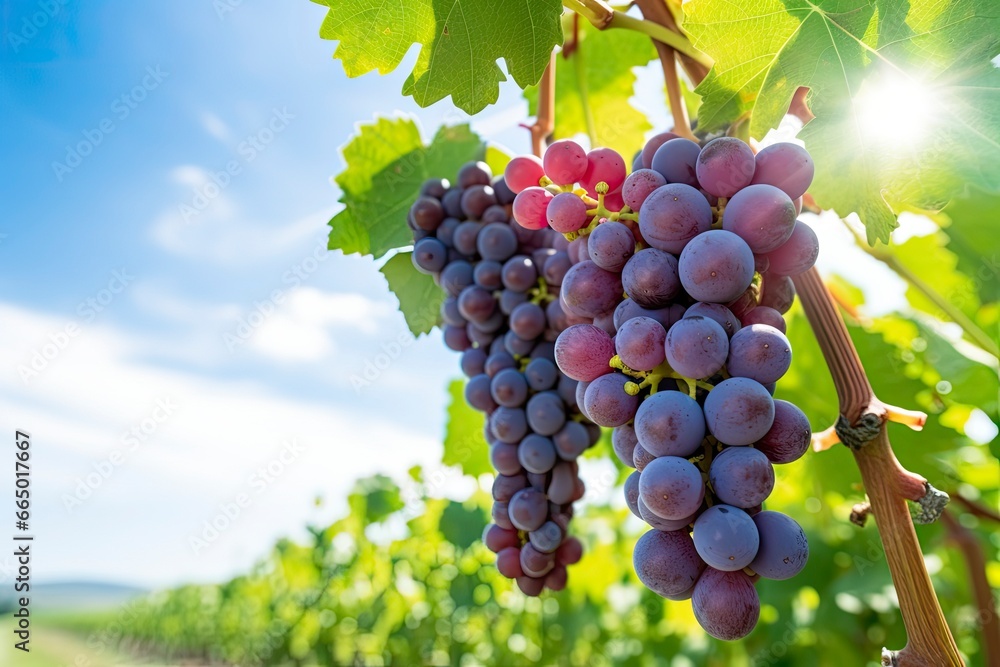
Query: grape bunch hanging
point(664, 291)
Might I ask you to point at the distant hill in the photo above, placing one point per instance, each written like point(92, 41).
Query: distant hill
point(73, 596)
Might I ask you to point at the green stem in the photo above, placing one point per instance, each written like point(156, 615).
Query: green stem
point(971, 329)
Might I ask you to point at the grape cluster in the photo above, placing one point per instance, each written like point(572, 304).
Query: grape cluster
point(503, 314)
point(679, 280)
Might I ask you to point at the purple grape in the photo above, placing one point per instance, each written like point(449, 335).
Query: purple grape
point(456, 339)
point(762, 215)
point(536, 563)
point(473, 362)
point(676, 161)
point(546, 413)
point(738, 411)
point(623, 441)
point(547, 538)
point(789, 436)
point(503, 456)
point(505, 486)
point(659, 523)
point(583, 352)
point(673, 215)
point(427, 213)
point(498, 361)
point(566, 213)
point(476, 304)
point(496, 241)
point(588, 290)
point(456, 277)
point(477, 394)
point(639, 185)
point(466, 237)
point(509, 300)
point(497, 539)
point(607, 402)
point(649, 150)
point(509, 424)
point(716, 311)
point(764, 315)
point(435, 187)
point(516, 345)
point(476, 199)
point(671, 487)
point(487, 274)
point(429, 255)
point(527, 320)
point(784, 548)
point(474, 173)
point(519, 273)
point(716, 267)
point(640, 457)
point(555, 269)
point(786, 166)
point(798, 254)
point(610, 245)
point(541, 374)
point(528, 509)
point(632, 493)
point(726, 604)
point(759, 352)
point(639, 343)
point(725, 166)
point(741, 477)
point(571, 440)
point(697, 347)
point(650, 278)
point(536, 453)
point(778, 292)
point(725, 537)
point(669, 423)
point(563, 484)
point(667, 563)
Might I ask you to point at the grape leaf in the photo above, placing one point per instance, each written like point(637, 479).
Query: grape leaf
point(464, 444)
point(461, 42)
point(843, 50)
point(462, 526)
point(596, 82)
point(419, 297)
point(972, 236)
point(386, 164)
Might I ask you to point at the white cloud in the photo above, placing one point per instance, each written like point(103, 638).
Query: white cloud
point(215, 126)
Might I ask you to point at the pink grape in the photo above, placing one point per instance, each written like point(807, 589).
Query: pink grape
point(566, 213)
point(565, 162)
point(522, 172)
point(583, 352)
point(603, 164)
point(786, 166)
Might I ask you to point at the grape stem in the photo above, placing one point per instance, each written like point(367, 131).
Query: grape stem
point(545, 118)
point(863, 424)
point(603, 16)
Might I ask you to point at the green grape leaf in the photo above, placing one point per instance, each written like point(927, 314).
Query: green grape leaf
point(387, 162)
point(931, 261)
point(930, 59)
point(972, 236)
point(374, 498)
point(461, 42)
point(462, 526)
point(419, 297)
point(593, 87)
point(464, 444)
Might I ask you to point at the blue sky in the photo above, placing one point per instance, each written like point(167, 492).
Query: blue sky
point(135, 396)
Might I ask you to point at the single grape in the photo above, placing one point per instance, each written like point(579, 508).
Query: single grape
point(784, 548)
point(476, 199)
point(697, 347)
point(522, 172)
point(429, 255)
point(474, 173)
point(456, 276)
point(789, 436)
point(671, 487)
point(497, 539)
point(762, 215)
point(716, 267)
point(631, 489)
point(716, 311)
point(569, 552)
point(501, 516)
point(455, 338)
point(503, 456)
point(452, 203)
point(427, 213)
point(639, 343)
point(764, 315)
point(473, 362)
point(497, 361)
point(509, 563)
point(450, 313)
point(547, 538)
point(509, 424)
point(650, 278)
point(536, 453)
point(786, 166)
point(726, 604)
point(527, 321)
point(741, 477)
point(528, 509)
point(565, 162)
point(623, 441)
point(588, 290)
point(546, 413)
point(673, 215)
point(478, 395)
point(649, 150)
point(739, 411)
point(667, 563)
point(562, 486)
point(555, 269)
point(669, 423)
point(571, 440)
point(610, 245)
point(778, 292)
point(676, 161)
point(640, 457)
point(566, 213)
point(476, 304)
point(725, 537)
point(496, 241)
point(466, 237)
point(446, 232)
point(798, 254)
point(531, 586)
point(608, 404)
point(759, 352)
point(505, 486)
point(541, 374)
point(519, 273)
point(603, 165)
point(725, 166)
point(509, 388)
point(529, 207)
point(487, 274)
point(435, 187)
point(639, 185)
point(583, 352)
point(536, 563)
